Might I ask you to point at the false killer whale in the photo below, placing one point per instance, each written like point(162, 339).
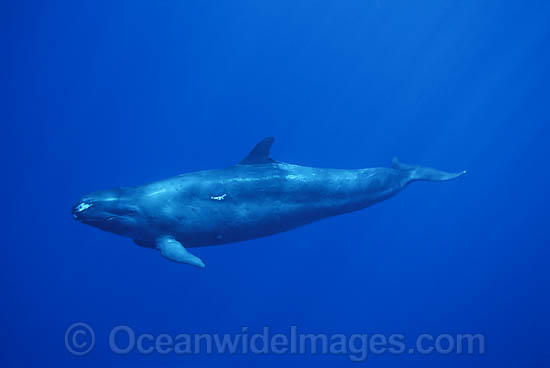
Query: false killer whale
point(257, 197)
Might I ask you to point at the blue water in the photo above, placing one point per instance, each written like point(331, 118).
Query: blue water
point(101, 94)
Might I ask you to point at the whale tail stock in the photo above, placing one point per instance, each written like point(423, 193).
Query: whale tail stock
point(425, 173)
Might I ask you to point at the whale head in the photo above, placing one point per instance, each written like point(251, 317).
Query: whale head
point(110, 210)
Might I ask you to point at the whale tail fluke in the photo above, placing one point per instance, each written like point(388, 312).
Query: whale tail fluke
point(425, 173)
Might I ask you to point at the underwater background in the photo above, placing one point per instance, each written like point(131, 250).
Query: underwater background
point(100, 94)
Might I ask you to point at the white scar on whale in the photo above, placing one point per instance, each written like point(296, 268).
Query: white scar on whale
point(83, 206)
point(219, 198)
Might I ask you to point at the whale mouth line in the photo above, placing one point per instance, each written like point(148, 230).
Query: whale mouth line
point(114, 217)
point(98, 219)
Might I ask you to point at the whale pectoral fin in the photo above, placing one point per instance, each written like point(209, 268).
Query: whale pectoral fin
point(172, 249)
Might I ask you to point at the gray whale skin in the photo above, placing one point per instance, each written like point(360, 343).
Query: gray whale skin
point(255, 198)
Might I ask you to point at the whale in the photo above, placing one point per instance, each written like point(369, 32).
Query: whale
point(257, 197)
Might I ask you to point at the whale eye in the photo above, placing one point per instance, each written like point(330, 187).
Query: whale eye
point(83, 206)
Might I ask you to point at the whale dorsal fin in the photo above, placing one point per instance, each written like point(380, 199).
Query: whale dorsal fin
point(260, 153)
